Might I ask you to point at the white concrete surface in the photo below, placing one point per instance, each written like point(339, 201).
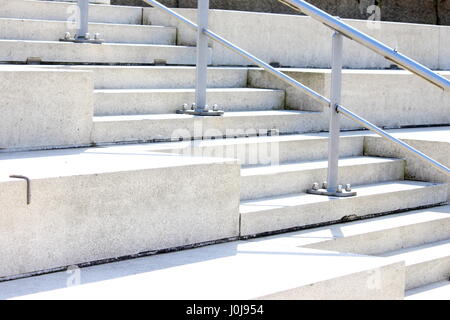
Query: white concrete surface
point(64, 11)
point(109, 102)
point(435, 291)
point(434, 142)
point(380, 235)
point(160, 77)
point(247, 270)
point(49, 30)
point(55, 51)
point(299, 41)
point(173, 126)
point(45, 108)
point(388, 98)
point(425, 264)
point(301, 209)
point(101, 203)
point(274, 180)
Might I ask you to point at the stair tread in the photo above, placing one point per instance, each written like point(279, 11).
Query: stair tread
point(293, 200)
point(435, 291)
point(183, 90)
point(145, 26)
point(422, 253)
point(103, 44)
point(231, 114)
point(310, 165)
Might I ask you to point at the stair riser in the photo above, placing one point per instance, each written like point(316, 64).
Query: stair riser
point(111, 33)
point(274, 152)
point(63, 11)
point(120, 103)
point(260, 186)
point(191, 127)
point(428, 272)
point(13, 51)
point(253, 223)
point(376, 243)
point(164, 77)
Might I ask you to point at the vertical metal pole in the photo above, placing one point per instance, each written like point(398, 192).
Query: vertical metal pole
point(202, 54)
point(83, 6)
point(335, 128)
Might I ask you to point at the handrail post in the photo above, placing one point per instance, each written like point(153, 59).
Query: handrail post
point(200, 108)
point(335, 126)
point(82, 35)
point(331, 187)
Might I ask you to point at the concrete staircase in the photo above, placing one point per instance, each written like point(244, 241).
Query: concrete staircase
point(157, 180)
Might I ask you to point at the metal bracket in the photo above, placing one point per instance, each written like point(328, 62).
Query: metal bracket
point(195, 111)
point(82, 39)
point(15, 176)
point(340, 191)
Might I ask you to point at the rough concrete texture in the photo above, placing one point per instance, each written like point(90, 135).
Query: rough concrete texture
point(413, 11)
point(434, 142)
point(270, 38)
point(45, 108)
point(94, 204)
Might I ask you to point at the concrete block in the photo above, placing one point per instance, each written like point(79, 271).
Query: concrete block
point(53, 51)
point(299, 210)
point(93, 204)
point(154, 101)
point(48, 30)
point(64, 11)
point(45, 108)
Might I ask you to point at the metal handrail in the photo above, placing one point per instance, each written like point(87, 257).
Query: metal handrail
point(369, 42)
point(338, 25)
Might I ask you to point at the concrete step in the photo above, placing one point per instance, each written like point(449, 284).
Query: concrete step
point(48, 30)
point(89, 204)
point(265, 150)
point(55, 51)
point(274, 180)
point(159, 77)
point(383, 234)
point(369, 93)
point(157, 101)
point(425, 264)
point(235, 270)
point(172, 127)
point(434, 291)
point(301, 209)
point(65, 11)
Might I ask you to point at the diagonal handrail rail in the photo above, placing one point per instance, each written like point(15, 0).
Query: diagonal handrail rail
point(396, 57)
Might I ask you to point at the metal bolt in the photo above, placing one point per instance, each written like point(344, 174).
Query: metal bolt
point(97, 36)
point(215, 107)
point(325, 185)
point(67, 35)
point(348, 187)
point(193, 106)
point(206, 108)
point(87, 36)
point(339, 188)
point(315, 186)
point(185, 106)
